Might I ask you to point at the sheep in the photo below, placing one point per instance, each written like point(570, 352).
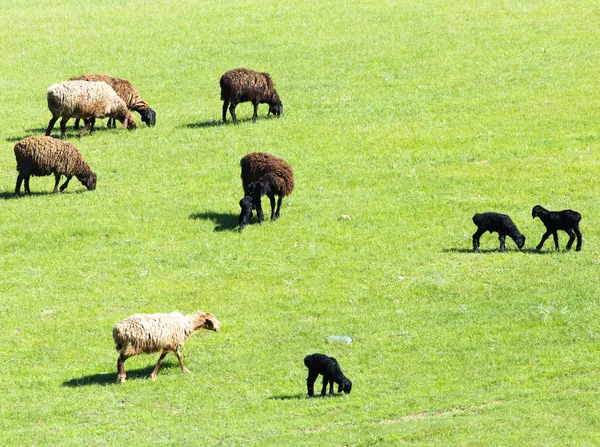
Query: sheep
point(126, 92)
point(87, 100)
point(566, 220)
point(243, 85)
point(263, 174)
point(41, 156)
point(148, 333)
point(331, 371)
point(501, 224)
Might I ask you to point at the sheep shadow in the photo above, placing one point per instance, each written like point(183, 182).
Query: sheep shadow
point(303, 396)
point(10, 195)
point(104, 379)
point(203, 125)
point(488, 251)
point(224, 221)
point(71, 132)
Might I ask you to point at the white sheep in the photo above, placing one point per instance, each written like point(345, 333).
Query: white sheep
point(148, 333)
point(86, 100)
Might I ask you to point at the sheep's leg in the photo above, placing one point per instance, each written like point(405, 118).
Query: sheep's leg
point(225, 105)
point(325, 382)
point(76, 124)
point(279, 200)
point(272, 200)
point(56, 180)
point(121, 375)
point(27, 191)
point(86, 124)
point(476, 237)
point(110, 122)
point(232, 107)
point(180, 358)
point(259, 211)
point(51, 125)
point(544, 237)
point(555, 236)
point(578, 234)
point(502, 239)
point(310, 382)
point(92, 123)
point(65, 184)
point(255, 114)
point(155, 372)
point(20, 178)
point(63, 127)
point(331, 386)
point(569, 231)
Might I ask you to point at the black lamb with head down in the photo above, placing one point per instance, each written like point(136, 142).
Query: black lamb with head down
point(499, 223)
point(566, 220)
point(331, 371)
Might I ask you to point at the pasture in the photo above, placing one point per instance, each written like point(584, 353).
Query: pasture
point(409, 117)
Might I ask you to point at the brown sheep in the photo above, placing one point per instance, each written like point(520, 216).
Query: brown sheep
point(263, 174)
point(243, 85)
point(148, 333)
point(42, 156)
point(126, 92)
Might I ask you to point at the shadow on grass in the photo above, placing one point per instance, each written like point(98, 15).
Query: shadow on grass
point(224, 221)
point(71, 132)
point(9, 195)
point(217, 123)
point(289, 397)
point(532, 251)
point(104, 379)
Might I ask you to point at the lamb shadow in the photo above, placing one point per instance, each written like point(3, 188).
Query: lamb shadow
point(487, 251)
point(224, 221)
point(104, 379)
point(289, 397)
point(205, 124)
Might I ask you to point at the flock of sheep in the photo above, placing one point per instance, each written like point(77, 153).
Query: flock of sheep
point(96, 96)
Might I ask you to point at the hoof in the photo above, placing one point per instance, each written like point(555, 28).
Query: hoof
point(185, 371)
point(121, 379)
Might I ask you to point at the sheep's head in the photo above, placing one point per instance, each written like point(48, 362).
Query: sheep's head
point(535, 212)
point(211, 323)
point(520, 241)
point(148, 116)
point(89, 181)
point(127, 120)
point(345, 386)
point(275, 105)
point(246, 204)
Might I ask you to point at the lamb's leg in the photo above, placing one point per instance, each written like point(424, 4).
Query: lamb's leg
point(56, 180)
point(255, 115)
point(20, 178)
point(259, 211)
point(232, 107)
point(555, 236)
point(569, 231)
point(27, 191)
point(476, 237)
point(121, 375)
point(579, 238)
point(331, 387)
point(502, 238)
point(76, 124)
point(272, 200)
point(65, 184)
point(325, 382)
point(63, 127)
point(155, 372)
point(180, 358)
point(279, 200)
point(225, 105)
point(544, 237)
point(51, 125)
point(310, 382)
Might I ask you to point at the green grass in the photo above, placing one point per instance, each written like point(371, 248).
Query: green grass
point(408, 116)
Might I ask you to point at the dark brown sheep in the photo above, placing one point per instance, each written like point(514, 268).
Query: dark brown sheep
point(243, 85)
point(42, 156)
point(264, 174)
point(126, 92)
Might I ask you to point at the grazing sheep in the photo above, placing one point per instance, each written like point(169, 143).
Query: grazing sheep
point(126, 92)
point(331, 371)
point(243, 85)
point(87, 100)
point(566, 220)
point(148, 333)
point(501, 224)
point(44, 156)
point(264, 174)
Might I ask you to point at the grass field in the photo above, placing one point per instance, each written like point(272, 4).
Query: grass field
point(408, 116)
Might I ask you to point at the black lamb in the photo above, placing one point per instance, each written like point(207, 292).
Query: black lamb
point(566, 220)
point(331, 371)
point(501, 224)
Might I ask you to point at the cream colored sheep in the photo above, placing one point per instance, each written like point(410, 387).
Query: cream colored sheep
point(148, 333)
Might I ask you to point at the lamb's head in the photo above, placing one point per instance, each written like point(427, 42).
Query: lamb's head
point(520, 241)
point(88, 180)
point(275, 105)
point(148, 116)
point(537, 211)
point(246, 204)
point(345, 386)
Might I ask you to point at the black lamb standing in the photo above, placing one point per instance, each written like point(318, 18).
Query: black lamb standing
point(499, 223)
point(566, 220)
point(331, 371)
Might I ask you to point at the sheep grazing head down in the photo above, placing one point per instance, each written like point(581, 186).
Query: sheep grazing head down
point(127, 120)
point(148, 116)
point(88, 181)
point(345, 386)
point(275, 105)
point(520, 241)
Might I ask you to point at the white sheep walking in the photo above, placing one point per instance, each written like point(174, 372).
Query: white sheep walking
point(148, 333)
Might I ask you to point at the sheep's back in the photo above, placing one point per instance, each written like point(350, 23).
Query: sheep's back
point(242, 84)
point(123, 87)
point(81, 99)
point(41, 155)
point(149, 333)
point(257, 164)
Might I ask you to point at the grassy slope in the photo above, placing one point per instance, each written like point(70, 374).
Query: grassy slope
point(409, 117)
